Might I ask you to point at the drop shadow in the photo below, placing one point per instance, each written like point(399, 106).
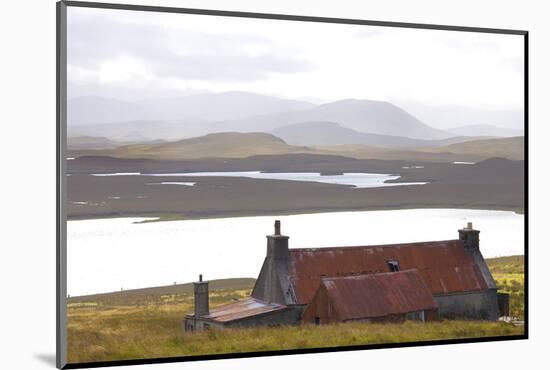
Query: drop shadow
point(47, 358)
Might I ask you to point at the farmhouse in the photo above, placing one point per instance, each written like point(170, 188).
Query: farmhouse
point(413, 281)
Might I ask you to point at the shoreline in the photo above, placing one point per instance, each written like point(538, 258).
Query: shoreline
point(164, 217)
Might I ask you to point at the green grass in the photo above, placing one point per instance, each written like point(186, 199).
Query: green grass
point(509, 276)
point(506, 265)
point(146, 323)
point(155, 331)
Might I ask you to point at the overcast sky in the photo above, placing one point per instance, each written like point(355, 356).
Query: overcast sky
point(133, 55)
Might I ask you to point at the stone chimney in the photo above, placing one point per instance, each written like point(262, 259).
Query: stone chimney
point(277, 244)
point(201, 298)
point(273, 284)
point(470, 237)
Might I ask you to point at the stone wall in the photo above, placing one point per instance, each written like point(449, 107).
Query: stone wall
point(481, 305)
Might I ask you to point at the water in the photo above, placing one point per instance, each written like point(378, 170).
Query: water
point(358, 180)
point(172, 183)
point(118, 174)
point(110, 254)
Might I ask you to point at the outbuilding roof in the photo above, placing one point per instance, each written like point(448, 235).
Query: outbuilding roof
point(378, 295)
point(444, 266)
point(241, 309)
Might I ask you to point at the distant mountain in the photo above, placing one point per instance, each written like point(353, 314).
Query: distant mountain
point(200, 107)
point(140, 130)
point(221, 106)
point(485, 130)
point(219, 145)
point(366, 116)
point(377, 117)
point(93, 109)
point(448, 116)
point(200, 114)
point(331, 133)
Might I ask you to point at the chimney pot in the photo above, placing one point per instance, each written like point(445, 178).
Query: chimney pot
point(200, 277)
point(469, 236)
point(277, 227)
point(277, 244)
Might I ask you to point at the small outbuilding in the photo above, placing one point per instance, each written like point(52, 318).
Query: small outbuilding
point(244, 313)
point(392, 296)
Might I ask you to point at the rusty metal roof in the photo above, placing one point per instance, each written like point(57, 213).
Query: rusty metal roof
point(378, 295)
point(242, 309)
point(444, 266)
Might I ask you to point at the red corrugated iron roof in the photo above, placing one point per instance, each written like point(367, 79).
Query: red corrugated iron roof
point(444, 266)
point(378, 295)
point(242, 309)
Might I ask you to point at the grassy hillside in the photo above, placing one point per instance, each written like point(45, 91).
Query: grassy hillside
point(508, 273)
point(475, 150)
point(225, 145)
point(146, 323)
point(511, 148)
point(507, 265)
point(146, 295)
point(373, 152)
point(91, 142)
point(243, 145)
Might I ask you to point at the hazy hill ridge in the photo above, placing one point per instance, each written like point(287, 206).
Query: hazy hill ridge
point(365, 116)
point(242, 145)
point(199, 107)
point(485, 130)
point(200, 114)
point(94, 109)
point(331, 133)
point(511, 148)
point(378, 117)
point(91, 142)
point(343, 122)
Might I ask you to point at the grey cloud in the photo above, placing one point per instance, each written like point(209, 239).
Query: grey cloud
point(176, 53)
point(226, 67)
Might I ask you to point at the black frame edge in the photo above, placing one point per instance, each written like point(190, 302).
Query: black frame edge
point(289, 17)
point(61, 246)
point(526, 180)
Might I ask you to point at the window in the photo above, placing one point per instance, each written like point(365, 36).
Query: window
point(417, 316)
point(393, 265)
